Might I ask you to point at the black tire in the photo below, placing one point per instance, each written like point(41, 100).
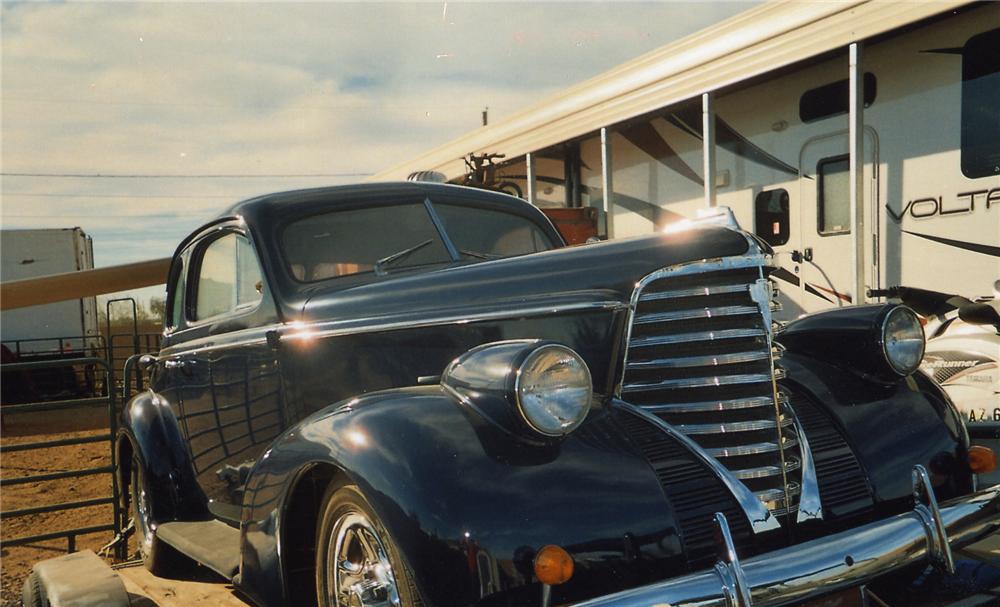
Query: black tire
point(33, 593)
point(158, 557)
point(343, 509)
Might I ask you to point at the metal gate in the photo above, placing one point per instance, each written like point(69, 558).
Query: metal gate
point(105, 402)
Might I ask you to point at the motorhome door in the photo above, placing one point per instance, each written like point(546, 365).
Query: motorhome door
point(823, 261)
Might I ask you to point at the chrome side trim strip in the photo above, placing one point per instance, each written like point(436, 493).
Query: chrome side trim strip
point(695, 292)
point(757, 514)
point(715, 405)
point(694, 313)
point(810, 506)
point(374, 325)
point(663, 340)
point(701, 382)
point(728, 427)
point(360, 326)
point(713, 360)
point(825, 565)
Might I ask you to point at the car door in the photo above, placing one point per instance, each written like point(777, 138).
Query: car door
point(225, 375)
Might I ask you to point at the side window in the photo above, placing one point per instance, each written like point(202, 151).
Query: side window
point(175, 306)
point(228, 280)
point(770, 216)
point(832, 99)
point(980, 118)
point(834, 199)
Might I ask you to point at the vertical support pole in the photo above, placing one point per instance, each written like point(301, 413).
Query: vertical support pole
point(529, 161)
point(607, 183)
point(857, 169)
point(708, 147)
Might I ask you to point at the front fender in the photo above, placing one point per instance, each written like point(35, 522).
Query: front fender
point(467, 505)
point(149, 424)
point(890, 427)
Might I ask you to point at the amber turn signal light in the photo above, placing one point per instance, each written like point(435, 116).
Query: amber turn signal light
point(981, 460)
point(553, 565)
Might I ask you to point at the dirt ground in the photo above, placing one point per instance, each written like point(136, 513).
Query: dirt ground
point(16, 562)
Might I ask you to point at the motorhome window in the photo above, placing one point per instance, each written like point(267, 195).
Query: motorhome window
point(832, 99)
point(483, 232)
point(344, 243)
point(980, 118)
point(771, 216)
point(834, 200)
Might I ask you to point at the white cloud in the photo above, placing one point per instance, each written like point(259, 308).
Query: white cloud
point(281, 88)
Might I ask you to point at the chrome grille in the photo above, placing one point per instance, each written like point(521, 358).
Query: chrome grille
point(700, 356)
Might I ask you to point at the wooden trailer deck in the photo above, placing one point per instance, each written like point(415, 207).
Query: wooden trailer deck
point(201, 587)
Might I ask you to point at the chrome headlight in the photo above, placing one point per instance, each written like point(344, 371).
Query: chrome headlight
point(526, 386)
point(902, 340)
point(553, 390)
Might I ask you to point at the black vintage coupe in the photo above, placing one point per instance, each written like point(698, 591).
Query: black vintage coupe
point(415, 394)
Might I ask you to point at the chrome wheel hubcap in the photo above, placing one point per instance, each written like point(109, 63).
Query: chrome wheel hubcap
point(358, 570)
point(140, 508)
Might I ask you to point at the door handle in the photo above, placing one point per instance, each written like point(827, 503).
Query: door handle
point(175, 364)
point(805, 254)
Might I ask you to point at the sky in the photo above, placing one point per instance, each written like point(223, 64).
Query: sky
point(187, 108)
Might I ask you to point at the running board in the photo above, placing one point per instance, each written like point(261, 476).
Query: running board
point(213, 543)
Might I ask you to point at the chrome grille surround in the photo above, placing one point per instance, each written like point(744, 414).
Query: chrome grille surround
point(700, 357)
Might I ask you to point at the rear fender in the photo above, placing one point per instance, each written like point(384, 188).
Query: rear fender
point(149, 425)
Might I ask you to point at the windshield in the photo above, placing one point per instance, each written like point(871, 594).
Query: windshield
point(383, 239)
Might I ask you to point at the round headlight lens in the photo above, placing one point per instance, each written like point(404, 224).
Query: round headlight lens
point(554, 390)
point(903, 340)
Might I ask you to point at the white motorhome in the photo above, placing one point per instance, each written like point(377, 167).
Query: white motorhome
point(860, 139)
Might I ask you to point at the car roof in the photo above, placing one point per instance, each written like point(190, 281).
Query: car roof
point(332, 195)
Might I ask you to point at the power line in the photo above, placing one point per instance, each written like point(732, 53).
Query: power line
point(182, 176)
point(98, 216)
point(60, 195)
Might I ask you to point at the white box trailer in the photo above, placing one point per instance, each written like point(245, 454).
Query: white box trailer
point(766, 104)
point(55, 328)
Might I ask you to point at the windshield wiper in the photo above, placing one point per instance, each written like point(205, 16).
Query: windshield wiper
point(479, 255)
point(388, 259)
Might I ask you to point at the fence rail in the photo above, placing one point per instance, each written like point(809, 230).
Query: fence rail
point(19, 409)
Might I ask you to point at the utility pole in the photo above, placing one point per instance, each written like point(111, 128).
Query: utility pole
point(486, 111)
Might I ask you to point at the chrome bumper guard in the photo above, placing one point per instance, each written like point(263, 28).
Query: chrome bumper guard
point(836, 562)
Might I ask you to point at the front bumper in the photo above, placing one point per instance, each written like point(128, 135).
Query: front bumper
point(850, 558)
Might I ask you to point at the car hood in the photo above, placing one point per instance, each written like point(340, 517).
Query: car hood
point(597, 273)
